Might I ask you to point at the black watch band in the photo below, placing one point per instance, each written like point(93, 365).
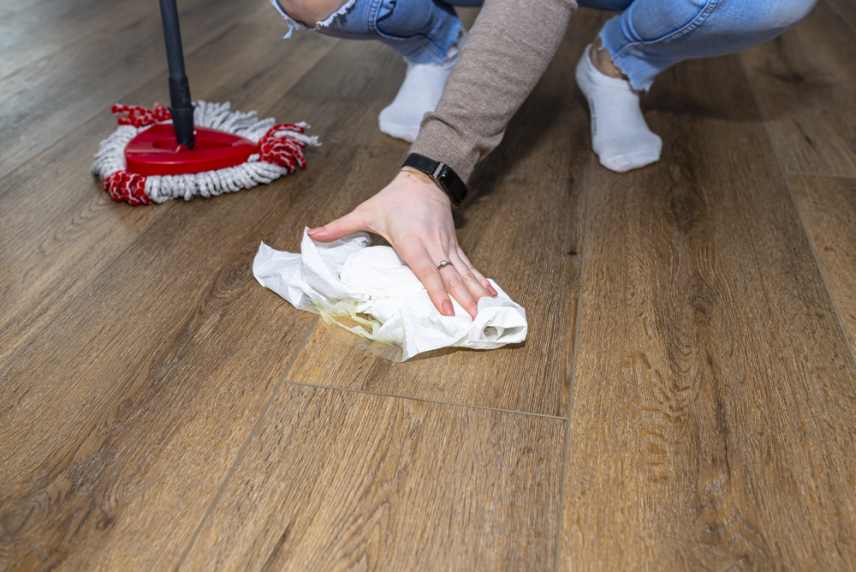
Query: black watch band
point(441, 173)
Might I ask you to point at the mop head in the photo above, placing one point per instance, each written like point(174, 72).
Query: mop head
point(278, 151)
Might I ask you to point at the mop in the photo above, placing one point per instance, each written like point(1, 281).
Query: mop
point(193, 148)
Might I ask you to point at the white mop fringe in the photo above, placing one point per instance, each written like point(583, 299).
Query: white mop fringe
point(110, 158)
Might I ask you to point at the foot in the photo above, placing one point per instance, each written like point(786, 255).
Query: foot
point(620, 136)
point(419, 94)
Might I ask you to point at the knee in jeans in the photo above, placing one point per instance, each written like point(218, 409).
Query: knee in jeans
point(309, 12)
point(783, 14)
point(395, 21)
point(652, 21)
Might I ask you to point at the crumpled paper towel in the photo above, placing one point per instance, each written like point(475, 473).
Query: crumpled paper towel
point(369, 291)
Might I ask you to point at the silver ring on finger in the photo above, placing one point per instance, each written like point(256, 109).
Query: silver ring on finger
point(443, 264)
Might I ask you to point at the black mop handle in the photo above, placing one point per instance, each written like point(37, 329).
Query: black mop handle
point(179, 89)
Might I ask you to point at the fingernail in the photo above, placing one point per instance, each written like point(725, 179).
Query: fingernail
point(314, 230)
point(447, 308)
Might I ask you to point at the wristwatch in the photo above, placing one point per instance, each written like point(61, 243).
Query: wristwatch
point(440, 173)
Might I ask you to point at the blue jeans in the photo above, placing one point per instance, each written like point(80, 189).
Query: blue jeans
point(644, 39)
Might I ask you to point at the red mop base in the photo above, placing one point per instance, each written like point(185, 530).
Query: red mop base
point(141, 162)
point(156, 151)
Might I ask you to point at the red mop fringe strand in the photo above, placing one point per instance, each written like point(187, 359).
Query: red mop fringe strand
point(126, 187)
point(277, 148)
point(140, 116)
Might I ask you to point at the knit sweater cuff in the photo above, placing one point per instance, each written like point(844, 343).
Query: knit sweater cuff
point(441, 142)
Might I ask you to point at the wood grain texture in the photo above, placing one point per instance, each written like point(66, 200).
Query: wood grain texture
point(827, 207)
point(805, 83)
point(714, 408)
point(60, 231)
point(335, 480)
point(159, 409)
point(522, 231)
point(46, 99)
point(32, 30)
point(846, 10)
point(110, 459)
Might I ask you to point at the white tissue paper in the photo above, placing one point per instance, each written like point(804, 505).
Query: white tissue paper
point(369, 291)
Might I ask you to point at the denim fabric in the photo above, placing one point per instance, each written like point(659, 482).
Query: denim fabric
point(647, 37)
point(423, 31)
point(650, 36)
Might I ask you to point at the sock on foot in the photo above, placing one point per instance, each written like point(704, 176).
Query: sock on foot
point(621, 138)
point(419, 94)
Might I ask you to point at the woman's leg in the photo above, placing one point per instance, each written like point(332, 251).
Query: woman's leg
point(650, 36)
point(424, 32)
point(653, 35)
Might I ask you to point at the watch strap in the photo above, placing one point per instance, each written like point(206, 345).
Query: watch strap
point(445, 177)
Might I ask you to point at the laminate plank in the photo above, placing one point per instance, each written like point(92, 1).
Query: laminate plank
point(828, 209)
point(713, 398)
point(151, 358)
point(522, 230)
point(50, 97)
point(30, 31)
point(805, 83)
point(337, 480)
point(845, 10)
point(60, 230)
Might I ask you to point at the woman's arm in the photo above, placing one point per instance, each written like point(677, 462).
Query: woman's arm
point(507, 51)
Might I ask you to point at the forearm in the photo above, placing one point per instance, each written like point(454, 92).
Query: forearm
point(508, 49)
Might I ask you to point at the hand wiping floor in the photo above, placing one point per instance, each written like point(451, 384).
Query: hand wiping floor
point(369, 291)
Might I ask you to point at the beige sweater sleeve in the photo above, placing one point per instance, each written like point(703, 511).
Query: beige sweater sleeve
point(507, 51)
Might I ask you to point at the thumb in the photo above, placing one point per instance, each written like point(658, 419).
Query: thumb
point(348, 224)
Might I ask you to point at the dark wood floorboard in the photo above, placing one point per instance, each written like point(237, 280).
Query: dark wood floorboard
point(685, 401)
point(828, 210)
point(805, 83)
point(714, 406)
point(49, 98)
point(846, 9)
point(30, 31)
point(125, 343)
point(66, 232)
point(387, 484)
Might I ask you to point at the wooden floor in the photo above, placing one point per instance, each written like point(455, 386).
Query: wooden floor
point(686, 399)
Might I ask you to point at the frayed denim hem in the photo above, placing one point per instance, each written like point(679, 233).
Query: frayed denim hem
point(329, 20)
point(294, 25)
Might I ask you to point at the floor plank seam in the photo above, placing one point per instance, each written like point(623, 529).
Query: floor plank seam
point(578, 304)
point(842, 329)
point(423, 400)
point(277, 386)
point(813, 175)
point(228, 476)
point(803, 229)
point(810, 174)
point(562, 494)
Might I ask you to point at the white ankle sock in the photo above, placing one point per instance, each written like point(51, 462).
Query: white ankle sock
point(419, 94)
point(620, 136)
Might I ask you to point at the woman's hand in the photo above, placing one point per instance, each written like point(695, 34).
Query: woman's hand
point(415, 217)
